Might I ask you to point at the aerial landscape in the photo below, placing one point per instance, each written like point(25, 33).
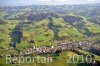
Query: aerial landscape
point(47, 33)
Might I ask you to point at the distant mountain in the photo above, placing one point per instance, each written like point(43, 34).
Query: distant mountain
point(83, 18)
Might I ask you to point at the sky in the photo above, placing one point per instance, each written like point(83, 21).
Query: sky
point(45, 2)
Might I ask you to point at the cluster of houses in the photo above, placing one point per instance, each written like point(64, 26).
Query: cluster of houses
point(73, 45)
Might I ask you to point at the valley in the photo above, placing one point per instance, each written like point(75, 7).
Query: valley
point(50, 32)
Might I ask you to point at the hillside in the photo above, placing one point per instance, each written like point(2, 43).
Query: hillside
point(58, 30)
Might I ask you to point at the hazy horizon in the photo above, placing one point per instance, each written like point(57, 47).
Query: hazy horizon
point(45, 2)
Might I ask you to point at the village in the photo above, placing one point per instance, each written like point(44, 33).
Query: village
point(50, 49)
point(71, 45)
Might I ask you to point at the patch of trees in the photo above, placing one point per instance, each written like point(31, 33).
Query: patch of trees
point(17, 34)
point(95, 51)
point(57, 52)
point(37, 17)
point(50, 25)
point(55, 31)
point(71, 19)
point(95, 20)
point(53, 28)
point(79, 24)
point(87, 32)
point(94, 12)
point(41, 16)
point(31, 16)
